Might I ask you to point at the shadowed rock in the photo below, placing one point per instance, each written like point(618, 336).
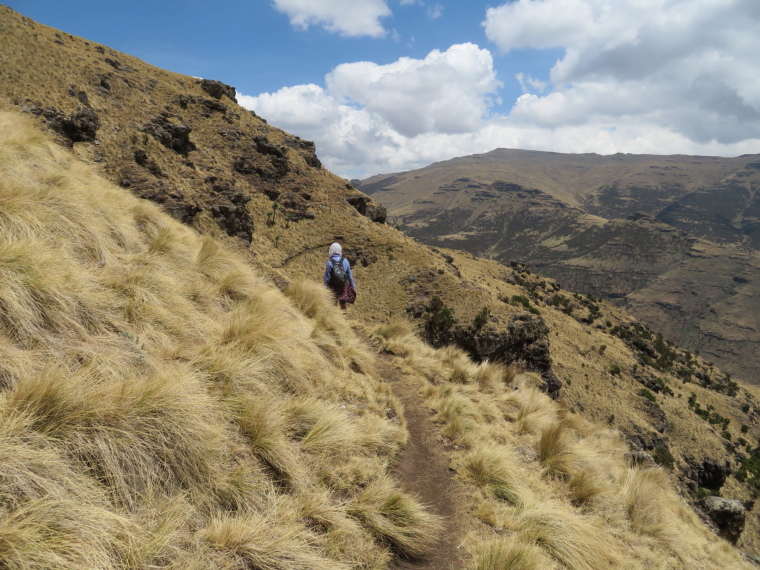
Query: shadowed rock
point(217, 89)
point(173, 136)
point(727, 514)
point(81, 126)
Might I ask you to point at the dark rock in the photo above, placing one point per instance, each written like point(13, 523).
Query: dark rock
point(213, 105)
point(80, 95)
point(81, 126)
point(366, 206)
point(644, 439)
point(551, 384)
point(525, 339)
point(272, 193)
point(727, 514)
point(113, 63)
point(416, 308)
point(141, 158)
point(708, 474)
point(244, 165)
point(657, 416)
point(156, 190)
point(183, 101)
point(104, 84)
point(264, 146)
point(173, 136)
point(229, 210)
point(358, 255)
point(307, 149)
point(268, 168)
point(217, 89)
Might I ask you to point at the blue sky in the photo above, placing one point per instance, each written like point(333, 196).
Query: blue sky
point(390, 85)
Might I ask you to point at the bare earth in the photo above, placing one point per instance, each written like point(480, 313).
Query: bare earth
point(423, 471)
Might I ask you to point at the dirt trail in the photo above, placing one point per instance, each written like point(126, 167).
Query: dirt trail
point(423, 470)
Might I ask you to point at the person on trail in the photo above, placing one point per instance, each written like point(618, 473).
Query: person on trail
point(338, 276)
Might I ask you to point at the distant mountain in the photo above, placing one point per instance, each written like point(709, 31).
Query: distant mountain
point(673, 239)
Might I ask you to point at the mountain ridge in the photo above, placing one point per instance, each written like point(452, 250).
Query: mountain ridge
point(678, 232)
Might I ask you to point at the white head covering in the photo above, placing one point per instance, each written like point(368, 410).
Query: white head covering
point(335, 249)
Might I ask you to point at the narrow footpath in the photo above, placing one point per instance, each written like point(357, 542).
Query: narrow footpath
point(423, 471)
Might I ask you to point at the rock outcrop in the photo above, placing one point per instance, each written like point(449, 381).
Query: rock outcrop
point(524, 339)
point(366, 206)
point(727, 514)
point(217, 89)
point(175, 136)
point(81, 126)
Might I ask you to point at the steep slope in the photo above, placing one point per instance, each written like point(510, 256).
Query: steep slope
point(229, 175)
point(673, 239)
point(163, 405)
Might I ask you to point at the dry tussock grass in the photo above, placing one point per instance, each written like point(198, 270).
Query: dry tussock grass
point(162, 405)
point(556, 489)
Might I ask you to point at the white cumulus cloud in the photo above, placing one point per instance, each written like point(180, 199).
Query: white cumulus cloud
point(345, 17)
point(689, 66)
point(391, 115)
point(638, 76)
point(447, 92)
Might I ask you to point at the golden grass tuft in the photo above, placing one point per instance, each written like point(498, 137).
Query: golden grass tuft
point(395, 519)
point(489, 469)
point(264, 543)
point(142, 436)
point(572, 540)
point(509, 554)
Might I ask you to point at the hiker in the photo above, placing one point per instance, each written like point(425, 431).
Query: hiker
point(338, 276)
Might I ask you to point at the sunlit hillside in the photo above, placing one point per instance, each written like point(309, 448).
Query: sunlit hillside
point(162, 405)
point(177, 389)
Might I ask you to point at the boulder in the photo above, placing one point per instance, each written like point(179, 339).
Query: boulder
point(230, 211)
point(141, 158)
point(524, 339)
point(149, 187)
point(174, 136)
point(711, 475)
point(217, 89)
point(81, 126)
point(727, 514)
point(366, 206)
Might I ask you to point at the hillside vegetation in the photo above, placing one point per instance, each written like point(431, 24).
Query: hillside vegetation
point(163, 265)
point(165, 406)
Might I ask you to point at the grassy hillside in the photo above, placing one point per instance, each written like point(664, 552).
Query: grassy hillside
point(114, 311)
point(165, 406)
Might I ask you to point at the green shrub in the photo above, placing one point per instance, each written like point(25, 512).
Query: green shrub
point(702, 493)
point(438, 321)
point(647, 394)
point(481, 318)
point(663, 457)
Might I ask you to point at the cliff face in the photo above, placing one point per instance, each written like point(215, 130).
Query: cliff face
point(672, 239)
